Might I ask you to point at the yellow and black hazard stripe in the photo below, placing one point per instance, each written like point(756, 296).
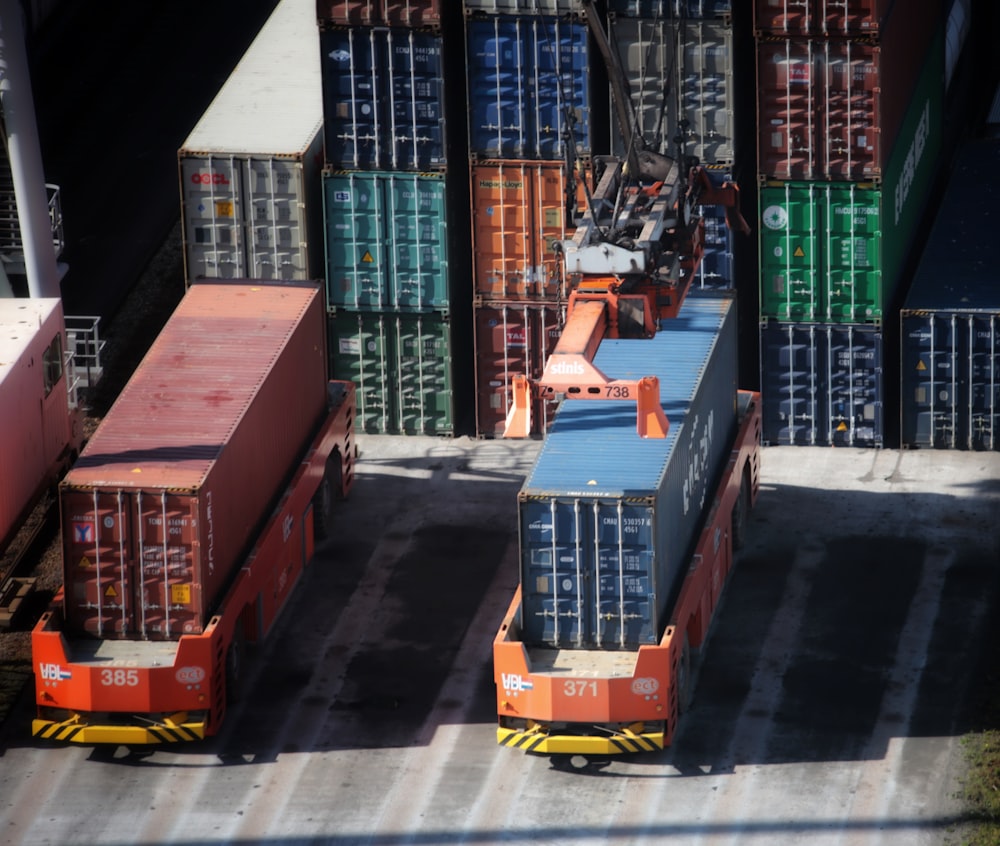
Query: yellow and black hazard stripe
point(619, 743)
point(76, 731)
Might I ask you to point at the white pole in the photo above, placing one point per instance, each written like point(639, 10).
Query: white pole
point(25, 155)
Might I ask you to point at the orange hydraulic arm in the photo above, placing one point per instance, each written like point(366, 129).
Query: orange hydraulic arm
point(570, 371)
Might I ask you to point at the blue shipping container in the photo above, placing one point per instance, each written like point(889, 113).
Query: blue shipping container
point(608, 520)
point(671, 9)
point(386, 240)
point(716, 270)
point(950, 364)
point(528, 82)
point(821, 384)
point(383, 98)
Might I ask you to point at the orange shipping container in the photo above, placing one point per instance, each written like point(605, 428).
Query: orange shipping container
point(519, 210)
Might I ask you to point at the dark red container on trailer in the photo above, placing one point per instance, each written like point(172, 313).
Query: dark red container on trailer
point(826, 17)
point(165, 500)
point(391, 12)
point(831, 108)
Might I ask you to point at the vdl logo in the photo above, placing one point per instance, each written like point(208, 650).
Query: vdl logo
point(515, 683)
point(53, 672)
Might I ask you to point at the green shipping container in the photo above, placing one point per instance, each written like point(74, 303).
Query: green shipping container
point(401, 363)
point(834, 251)
point(386, 240)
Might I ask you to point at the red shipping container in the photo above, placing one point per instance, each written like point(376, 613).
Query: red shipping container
point(512, 339)
point(413, 13)
point(826, 17)
point(518, 213)
point(832, 108)
point(160, 509)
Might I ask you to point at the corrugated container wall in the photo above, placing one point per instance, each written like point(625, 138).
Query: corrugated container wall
point(832, 108)
point(672, 9)
point(835, 251)
point(950, 320)
point(383, 98)
point(525, 74)
point(249, 170)
point(717, 269)
point(821, 384)
point(518, 214)
point(160, 508)
point(386, 240)
point(34, 404)
point(401, 365)
point(415, 13)
point(522, 7)
point(513, 339)
point(826, 17)
point(693, 61)
point(608, 519)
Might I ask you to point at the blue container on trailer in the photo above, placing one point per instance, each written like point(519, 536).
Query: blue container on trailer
point(608, 520)
point(526, 74)
point(383, 98)
point(950, 321)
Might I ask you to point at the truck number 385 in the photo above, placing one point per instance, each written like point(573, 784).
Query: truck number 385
point(579, 688)
point(120, 678)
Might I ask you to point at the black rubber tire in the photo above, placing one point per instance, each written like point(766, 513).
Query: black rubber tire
point(741, 513)
point(327, 495)
point(685, 684)
point(235, 659)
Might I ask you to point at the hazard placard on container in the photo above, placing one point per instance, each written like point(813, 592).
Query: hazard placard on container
point(180, 594)
point(367, 257)
point(799, 252)
point(111, 591)
point(921, 365)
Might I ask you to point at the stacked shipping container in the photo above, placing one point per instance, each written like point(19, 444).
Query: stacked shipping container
point(950, 321)
point(849, 121)
point(529, 112)
point(385, 188)
point(678, 62)
point(250, 168)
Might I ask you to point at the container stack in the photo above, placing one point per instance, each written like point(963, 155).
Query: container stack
point(529, 127)
point(950, 321)
point(250, 168)
point(849, 122)
point(387, 216)
point(678, 60)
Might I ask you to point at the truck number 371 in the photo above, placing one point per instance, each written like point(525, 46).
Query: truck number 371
point(579, 688)
point(120, 678)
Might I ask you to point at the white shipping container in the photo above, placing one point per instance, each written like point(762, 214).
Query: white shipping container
point(251, 198)
point(41, 434)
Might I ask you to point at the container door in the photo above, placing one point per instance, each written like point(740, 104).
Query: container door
point(275, 209)
point(854, 386)
point(501, 230)
point(168, 590)
point(498, 99)
point(356, 274)
point(789, 251)
point(852, 254)
point(790, 384)
point(362, 353)
point(417, 235)
point(587, 573)
point(99, 566)
point(213, 218)
point(559, 85)
point(984, 382)
point(416, 96)
point(423, 374)
point(930, 376)
point(351, 111)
